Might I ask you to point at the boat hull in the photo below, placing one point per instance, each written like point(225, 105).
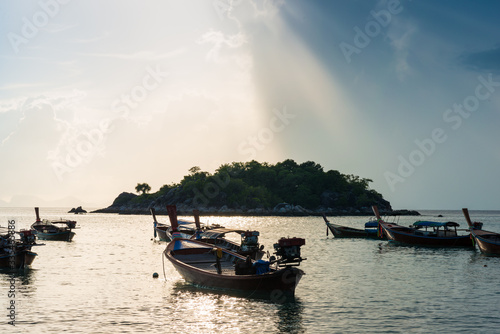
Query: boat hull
point(274, 284)
point(21, 259)
point(340, 231)
point(161, 232)
point(279, 283)
point(59, 236)
point(488, 242)
point(409, 238)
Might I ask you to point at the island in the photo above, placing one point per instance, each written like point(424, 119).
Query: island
point(253, 188)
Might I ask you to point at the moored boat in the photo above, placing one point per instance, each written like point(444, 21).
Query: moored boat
point(53, 229)
point(186, 229)
point(249, 244)
point(15, 253)
point(207, 266)
point(487, 242)
point(339, 231)
point(442, 234)
point(218, 236)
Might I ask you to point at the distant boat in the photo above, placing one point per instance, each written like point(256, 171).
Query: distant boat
point(206, 266)
point(339, 231)
point(53, 229)
point(443, 234)
point(488, 242)
point(15, 253)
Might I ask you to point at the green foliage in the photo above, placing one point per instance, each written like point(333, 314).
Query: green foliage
point(262, 185)
point(142, 188)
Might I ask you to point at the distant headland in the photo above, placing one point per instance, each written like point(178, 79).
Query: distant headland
point(253, 188)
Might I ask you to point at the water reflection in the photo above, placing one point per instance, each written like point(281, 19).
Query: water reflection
point(181, 286)
point(290, 317)
point(22, 280)
point(214, 311)
point(22, 276)
point(389, 247)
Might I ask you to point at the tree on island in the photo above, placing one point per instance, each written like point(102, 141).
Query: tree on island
point(142, 187)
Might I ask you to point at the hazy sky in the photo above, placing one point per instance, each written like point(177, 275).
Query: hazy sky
point(96, 96)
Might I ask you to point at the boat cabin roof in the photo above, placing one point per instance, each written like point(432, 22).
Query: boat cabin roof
point(424, 223)
point(183, 222)
point(372, 223)
point(185, 244)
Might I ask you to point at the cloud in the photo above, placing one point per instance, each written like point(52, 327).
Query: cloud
point(141, 55)
point(400, 34)
point(483, 61)
point(14, 111)
point(221, 41)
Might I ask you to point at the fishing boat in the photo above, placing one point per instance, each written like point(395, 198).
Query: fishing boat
point(424, 233)
point(207, 266)
point(248, 246)
point(488, 242)
point(15, 253)
point(53, 229)
point(186, 229)
point(221, 237)
point(216, 235)
point(339, 231)
point(160, 229)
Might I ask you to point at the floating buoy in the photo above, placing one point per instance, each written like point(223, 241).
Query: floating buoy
point(485, 265)
point(155, 275)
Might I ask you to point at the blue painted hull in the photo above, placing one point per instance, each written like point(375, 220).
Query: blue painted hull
point(59, 236)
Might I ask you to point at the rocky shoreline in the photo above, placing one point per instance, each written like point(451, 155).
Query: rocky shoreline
point(282, 209)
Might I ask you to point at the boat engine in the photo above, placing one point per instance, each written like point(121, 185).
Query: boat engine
point(249, 241)
point(71, 224)
point(288, 251)
point(477, 225)
point(250, 244)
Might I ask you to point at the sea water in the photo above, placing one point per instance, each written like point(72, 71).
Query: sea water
point(102, 282)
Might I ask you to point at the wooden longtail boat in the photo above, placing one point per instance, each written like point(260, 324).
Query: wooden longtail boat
point(15, 253)
point(187, 229)
point(53, 229)
point(442, 234)
point(339, 231)
point(488, 242)
point(249, 240)
point(206, 266)
point(249, 244)
point(215, 235)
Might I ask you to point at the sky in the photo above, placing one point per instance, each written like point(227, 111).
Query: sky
point(96, 97)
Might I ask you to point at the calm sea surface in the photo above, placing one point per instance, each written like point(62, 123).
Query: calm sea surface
point(102, 282)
